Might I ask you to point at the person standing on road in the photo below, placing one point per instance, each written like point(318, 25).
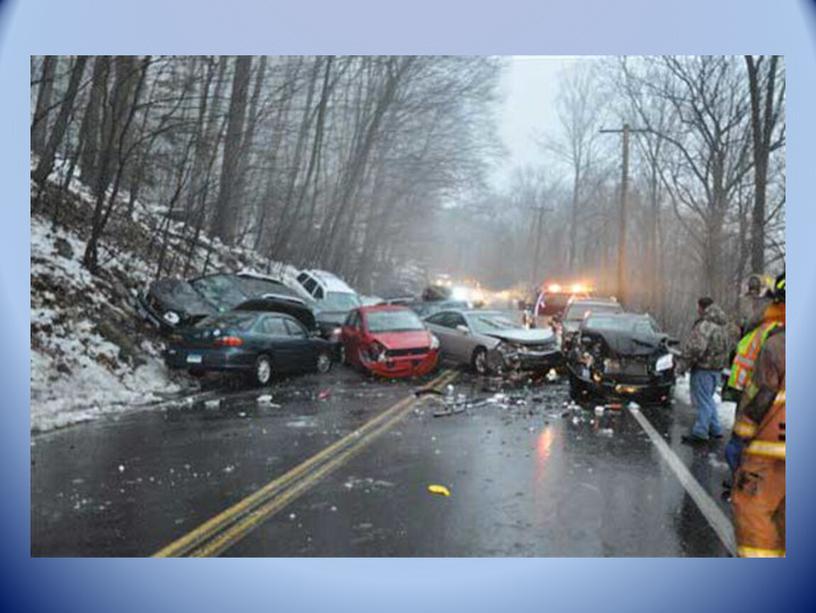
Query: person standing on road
point(706, 353)
point(757, 452)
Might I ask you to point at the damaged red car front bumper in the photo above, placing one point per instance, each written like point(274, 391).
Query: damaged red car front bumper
point(412, 365)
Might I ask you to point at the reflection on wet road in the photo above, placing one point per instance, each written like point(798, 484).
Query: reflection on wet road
point(529, 475)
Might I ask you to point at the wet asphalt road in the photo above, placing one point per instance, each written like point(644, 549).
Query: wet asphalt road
point(528, 476)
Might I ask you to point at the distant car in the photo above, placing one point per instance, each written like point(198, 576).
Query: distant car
point(427, 308)
point(332, 297)
point(258, 344)
point(577, 310)
point(175, 303)
point(388, 340)
point(489, 340)
point(622, 355)
point(552, 301)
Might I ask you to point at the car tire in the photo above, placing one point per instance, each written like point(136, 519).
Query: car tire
point(479, 361)
point(324, 362)
point(262, 372)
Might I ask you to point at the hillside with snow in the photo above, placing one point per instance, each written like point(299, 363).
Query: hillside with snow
point(91, 354)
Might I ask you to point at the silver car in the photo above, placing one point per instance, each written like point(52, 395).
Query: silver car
point(491, 341)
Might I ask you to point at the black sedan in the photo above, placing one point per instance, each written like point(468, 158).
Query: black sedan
point(175, 303)
point(258, 344)
point(621, 355)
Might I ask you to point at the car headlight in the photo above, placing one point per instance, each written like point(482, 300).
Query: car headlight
point(434, 342)
point(172, 318)
point(376, 352)
point(664, 362)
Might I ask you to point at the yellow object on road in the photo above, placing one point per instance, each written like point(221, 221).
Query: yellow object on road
point(439, 490)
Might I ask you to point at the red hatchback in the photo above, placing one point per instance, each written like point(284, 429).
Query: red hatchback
point(388, 340)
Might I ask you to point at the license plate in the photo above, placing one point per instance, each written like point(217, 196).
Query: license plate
point(194, 359)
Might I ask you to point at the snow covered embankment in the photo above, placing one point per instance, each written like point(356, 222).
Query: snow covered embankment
point(88, 353)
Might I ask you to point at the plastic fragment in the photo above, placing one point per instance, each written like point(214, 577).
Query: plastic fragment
point(439, 490)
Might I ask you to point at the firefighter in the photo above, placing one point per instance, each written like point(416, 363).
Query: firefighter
point(757, 452)
point(742, 365)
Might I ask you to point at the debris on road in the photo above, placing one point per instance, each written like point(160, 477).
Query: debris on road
point(323, 394)
point(212, 404)
point(439, 490)
point(265, 399)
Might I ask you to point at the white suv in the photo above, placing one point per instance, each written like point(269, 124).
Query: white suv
point(329, 292)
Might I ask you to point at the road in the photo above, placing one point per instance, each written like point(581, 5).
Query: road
point(340, 465)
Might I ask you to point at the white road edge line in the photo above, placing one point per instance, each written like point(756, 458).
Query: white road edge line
point(715, 516)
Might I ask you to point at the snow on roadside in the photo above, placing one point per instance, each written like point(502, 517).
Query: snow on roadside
point(76, 373)
point(726, 411)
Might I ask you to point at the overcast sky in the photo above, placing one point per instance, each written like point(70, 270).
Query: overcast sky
point(530, 86)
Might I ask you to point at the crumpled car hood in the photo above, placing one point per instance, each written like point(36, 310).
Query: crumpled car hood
point(532, 336)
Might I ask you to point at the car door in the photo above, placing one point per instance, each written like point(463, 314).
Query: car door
point(438, 324)
point(273, 338)
point(303, 347)
point(462, 343)
point(351, 336)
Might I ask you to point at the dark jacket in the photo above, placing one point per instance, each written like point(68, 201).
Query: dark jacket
point(708, 346)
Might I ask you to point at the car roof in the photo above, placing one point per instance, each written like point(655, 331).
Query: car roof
point(624, 315)
point(595, 301)
point(330, 281)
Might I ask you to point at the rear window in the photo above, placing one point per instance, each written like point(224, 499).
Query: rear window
point(393, 321)
point(222, 290)
point(340, 301)
point(576, 312)
point(259, 287)
point(239, 321)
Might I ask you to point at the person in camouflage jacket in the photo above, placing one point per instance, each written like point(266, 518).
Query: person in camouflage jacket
point(706, 352)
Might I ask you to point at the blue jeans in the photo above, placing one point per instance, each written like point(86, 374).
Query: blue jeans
point(703, 386)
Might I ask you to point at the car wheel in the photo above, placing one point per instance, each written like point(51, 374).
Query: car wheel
point(479, 360)
point(324, 362)
point(262, 374)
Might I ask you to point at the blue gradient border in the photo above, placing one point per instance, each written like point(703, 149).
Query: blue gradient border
point(419, 26)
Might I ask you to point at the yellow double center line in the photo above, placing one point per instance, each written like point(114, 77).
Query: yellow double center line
point(221, 532)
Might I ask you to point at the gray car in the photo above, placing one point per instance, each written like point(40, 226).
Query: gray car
point(491, 341)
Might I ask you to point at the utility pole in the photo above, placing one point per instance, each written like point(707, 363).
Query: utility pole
point(621, 281)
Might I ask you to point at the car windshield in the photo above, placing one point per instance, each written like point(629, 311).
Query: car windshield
point(340, 301)
point(220, 290)
point(577, 311)
point(485, 324)
point(240, 321)
point(393, 321)
point(636, 326)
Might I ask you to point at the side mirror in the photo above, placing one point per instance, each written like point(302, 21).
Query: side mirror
point(462, 329)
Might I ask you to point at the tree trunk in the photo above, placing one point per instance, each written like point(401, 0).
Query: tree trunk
point(226, 207)
point(39, 123)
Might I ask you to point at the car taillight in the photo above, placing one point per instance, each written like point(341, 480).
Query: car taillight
point(229, 341)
